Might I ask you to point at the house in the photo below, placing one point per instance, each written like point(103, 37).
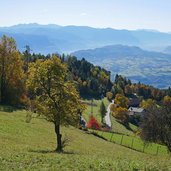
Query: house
point(135, 115)
point(136, 111)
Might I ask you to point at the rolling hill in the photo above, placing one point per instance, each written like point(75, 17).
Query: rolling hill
point(133, 62)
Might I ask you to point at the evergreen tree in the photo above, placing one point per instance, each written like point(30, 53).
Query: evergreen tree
point(102, 111)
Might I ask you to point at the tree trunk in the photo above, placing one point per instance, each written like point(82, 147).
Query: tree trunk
point(59, 147)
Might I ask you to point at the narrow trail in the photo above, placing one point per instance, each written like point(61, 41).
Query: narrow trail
point(107, 117)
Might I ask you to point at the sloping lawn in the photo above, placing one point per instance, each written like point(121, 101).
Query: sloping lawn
point(29, 146)
point(133, 142)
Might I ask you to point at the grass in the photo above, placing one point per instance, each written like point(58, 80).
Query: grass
point(29, 146)
point(120, 128)
point(129, 139)
point(133, 142)
point(96, 108)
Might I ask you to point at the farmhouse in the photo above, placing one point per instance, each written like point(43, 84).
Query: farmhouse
point(132, 111)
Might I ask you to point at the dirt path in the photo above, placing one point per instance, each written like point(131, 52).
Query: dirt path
point(107, 117)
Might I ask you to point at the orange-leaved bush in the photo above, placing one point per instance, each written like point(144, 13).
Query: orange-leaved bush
point(93, 123)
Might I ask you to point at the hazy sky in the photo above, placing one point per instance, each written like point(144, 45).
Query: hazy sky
point(119, 14)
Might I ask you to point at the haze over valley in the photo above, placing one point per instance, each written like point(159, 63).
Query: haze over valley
point(139, 65)
point(141, 55)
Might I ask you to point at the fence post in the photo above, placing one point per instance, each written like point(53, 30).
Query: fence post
point(111, 137)
point(132, 143)
point(157, 150)
point(121, 139)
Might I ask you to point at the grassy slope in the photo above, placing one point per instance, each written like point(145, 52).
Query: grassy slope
point(133, 142)
point(116, 127)
point(96, 109)
point(120, 128)
point(30, 147)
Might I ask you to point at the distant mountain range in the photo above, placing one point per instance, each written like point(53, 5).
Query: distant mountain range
point(126, 59)
point(54, 38)
point(148, 67)
point(168, 50)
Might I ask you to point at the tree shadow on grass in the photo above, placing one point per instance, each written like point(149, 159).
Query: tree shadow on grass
point(126, 125)
point(50, 151)
point(8, 109)
point(90, 97)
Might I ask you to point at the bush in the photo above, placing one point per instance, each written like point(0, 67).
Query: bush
point(92, 123)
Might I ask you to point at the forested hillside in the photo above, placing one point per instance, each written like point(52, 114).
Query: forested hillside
point(90, 80)
point(95, 81)
point(148, 67)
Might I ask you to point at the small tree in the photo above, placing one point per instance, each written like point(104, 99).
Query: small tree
point(120, 114)
point(146, 104)
point(109, 95)
point(167, 101)
point(121, 101)
point(56, 99)
point(102, 111)
point(92, 123)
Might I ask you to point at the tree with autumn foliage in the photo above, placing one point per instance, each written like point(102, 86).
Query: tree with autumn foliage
point(119, 109)
point(93, 123)
point(56, 99)
point(12, 79)
point(167, 100)
point(146, 104)
point(121, 100)
point(120, 113)
point(109, 95)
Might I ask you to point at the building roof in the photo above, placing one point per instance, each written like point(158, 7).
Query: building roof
point(136, 109)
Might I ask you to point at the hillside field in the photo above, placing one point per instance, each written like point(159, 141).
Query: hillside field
point(29, 146)
point(116, 126)
point(121, 135)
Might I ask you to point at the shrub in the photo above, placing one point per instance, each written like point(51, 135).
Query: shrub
point(92, 123)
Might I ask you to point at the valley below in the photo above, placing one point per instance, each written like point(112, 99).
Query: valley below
point(147, 67)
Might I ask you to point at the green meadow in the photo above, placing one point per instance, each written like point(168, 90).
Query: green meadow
point(30, 146)
point(133, 142)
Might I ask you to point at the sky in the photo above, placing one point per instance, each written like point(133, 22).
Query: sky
point(118, 14)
